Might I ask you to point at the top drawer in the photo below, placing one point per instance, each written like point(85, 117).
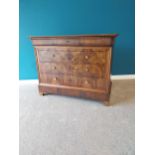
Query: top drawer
point(77, 41)
point(73, 55)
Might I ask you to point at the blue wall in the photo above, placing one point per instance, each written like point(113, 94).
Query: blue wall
point(64, 17)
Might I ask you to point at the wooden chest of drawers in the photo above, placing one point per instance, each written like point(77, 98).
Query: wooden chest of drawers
point(75, 65)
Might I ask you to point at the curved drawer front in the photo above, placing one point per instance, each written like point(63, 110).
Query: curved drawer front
point(62, 69)
point(74, 55)
point(73, 81)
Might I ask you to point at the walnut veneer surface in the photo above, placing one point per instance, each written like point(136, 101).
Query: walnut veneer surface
point(75, 65)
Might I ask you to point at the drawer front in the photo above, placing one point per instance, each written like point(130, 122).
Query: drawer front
point(74, 81)
point(74, 55)
point(82, 41)
point(79, 70)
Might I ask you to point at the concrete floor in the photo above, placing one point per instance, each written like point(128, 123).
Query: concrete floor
point(59, 125)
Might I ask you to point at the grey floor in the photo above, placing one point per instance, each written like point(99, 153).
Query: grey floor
point(58, 125)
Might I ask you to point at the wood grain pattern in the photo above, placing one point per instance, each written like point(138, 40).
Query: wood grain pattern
point(75, 65)
point(73, 81)
point(72, 54)
point(78, 70)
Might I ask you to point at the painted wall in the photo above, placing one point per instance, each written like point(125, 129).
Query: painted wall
point(65, 17)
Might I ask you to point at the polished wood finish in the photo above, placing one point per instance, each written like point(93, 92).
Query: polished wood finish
point(75, 65)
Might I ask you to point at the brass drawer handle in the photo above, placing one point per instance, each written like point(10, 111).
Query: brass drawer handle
point(54, 68)
point(86, 57)
point(54, 79)
point(86, 82)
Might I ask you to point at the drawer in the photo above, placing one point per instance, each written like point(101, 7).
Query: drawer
point(80, 70)
point(80, 41)
point(74, 55)
point(82, 82)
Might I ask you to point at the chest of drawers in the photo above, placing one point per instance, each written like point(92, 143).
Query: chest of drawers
point(75, 65)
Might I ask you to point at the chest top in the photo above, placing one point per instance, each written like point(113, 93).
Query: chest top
point(74, 40)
